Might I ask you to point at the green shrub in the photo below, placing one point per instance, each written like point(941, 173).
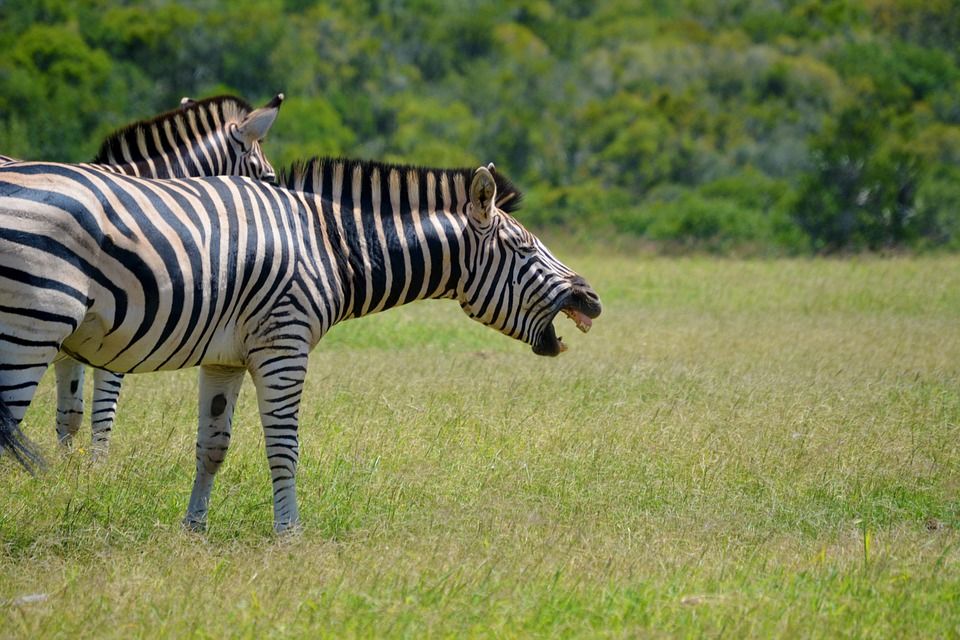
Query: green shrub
point(588, 207)
point(937, 219)
point(716, 224)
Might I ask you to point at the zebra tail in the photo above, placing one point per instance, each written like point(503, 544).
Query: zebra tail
point(12, 439)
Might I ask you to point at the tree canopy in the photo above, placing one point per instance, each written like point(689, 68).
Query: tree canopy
point(765, 125)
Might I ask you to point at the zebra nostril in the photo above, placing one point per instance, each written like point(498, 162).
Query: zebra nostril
point(586, 293)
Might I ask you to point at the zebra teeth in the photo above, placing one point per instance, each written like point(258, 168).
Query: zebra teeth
point(563, 347)
point(580, 319)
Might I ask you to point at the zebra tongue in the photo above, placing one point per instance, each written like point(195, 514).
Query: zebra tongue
point(582, 321)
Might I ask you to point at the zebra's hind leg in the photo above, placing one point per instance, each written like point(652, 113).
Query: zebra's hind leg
point(219, 387)
point(69, 399)
point(106, 392)
point(279, 383)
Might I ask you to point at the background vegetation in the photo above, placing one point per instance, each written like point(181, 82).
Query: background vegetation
point(767, 126)
point(738, 448)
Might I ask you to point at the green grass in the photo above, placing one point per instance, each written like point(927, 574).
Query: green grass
point(761, 448)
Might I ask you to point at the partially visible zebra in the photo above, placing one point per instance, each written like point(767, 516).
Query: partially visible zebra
point(214, 136)
point(235, 275)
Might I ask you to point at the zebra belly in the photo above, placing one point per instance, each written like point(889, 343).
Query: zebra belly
point(113, 354)
point(119, 350)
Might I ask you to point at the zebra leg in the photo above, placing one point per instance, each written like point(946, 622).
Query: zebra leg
point(106, 391)
point(69, 399)
point(279, 383)
point(219, 387)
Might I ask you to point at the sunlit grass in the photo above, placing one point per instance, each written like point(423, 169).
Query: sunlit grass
point(737, 448)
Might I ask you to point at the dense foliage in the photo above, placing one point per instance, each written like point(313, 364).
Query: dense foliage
point(765, 125)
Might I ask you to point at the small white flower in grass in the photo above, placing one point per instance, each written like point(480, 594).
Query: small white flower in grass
point(31, 598)
point(705, 598)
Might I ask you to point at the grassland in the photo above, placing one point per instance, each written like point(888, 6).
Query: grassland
point(736, 449)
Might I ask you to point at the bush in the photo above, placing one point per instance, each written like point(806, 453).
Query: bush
point(719, 224)
point(937, 220)
point(587, 208)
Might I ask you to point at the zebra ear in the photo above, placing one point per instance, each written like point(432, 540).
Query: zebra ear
point(483, 193)
point(255, 126)
point(186, 102)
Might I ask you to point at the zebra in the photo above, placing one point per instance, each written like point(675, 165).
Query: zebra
point(235, 276)
point(215, 136)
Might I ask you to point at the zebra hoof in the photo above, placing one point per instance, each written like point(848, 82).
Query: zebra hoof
point(194, 526)
point(287, 529)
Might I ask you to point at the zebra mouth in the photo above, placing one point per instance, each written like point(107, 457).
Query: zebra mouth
point(581, 309)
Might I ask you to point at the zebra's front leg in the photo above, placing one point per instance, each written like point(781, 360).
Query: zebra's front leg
point(279, 383)
point(69, 399)
point(106, 392)
point(219, 387)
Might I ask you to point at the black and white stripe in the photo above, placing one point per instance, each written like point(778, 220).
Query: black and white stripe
point(214, 136)
point(234, 275)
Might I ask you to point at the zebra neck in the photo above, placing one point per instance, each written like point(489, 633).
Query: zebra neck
point(182, 142)
point(399, 233)
point(168, 162)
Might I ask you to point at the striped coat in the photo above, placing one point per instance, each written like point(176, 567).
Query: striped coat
point(214, 136)
point(235, 276)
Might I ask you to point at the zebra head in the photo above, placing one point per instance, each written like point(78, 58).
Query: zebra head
point(246, 136)
point(512, 282)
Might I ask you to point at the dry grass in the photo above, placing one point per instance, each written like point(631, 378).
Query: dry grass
point(737, 448)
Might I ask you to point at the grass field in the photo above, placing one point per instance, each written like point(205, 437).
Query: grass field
point(759, 448)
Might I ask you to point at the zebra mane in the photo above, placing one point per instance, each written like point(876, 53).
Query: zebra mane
point(304, 175)
point(230, 108)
